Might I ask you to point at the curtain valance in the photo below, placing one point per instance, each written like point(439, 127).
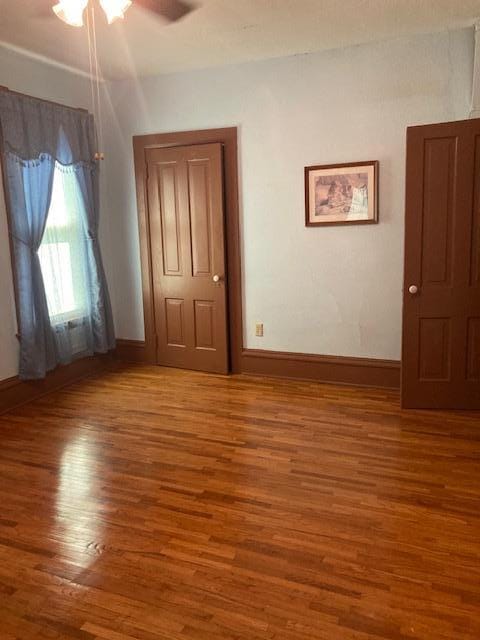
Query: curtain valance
point(32, 127)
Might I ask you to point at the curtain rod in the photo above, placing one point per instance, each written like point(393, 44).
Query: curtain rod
point(57, 104)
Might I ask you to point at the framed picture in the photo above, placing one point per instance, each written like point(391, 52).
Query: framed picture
point(341, 194)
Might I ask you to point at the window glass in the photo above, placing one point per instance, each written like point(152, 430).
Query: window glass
point(63, 252)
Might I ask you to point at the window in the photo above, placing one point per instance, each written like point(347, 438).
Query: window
point(63, 252)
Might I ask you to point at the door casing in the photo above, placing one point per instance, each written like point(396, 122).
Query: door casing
point(227, 137)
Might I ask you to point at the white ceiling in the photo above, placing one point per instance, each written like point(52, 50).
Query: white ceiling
point(223, 32)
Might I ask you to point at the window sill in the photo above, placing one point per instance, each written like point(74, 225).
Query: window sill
point(60, 323)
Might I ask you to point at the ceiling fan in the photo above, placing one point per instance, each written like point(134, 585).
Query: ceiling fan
point(71, 11)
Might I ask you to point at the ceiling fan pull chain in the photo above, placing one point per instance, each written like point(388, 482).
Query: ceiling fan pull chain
point(90, 60)
point(95, 81)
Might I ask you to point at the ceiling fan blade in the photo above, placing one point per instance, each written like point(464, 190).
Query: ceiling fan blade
point(172, 10)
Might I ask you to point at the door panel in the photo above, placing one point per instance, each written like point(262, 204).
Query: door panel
point(185, 208)
point(200, 218)
point(475, 246)
point(440, 353)
point(170, 218)
point(175, 322)
point(204, 324)
point(473, 350)
point(434, 352)
point(440, 156)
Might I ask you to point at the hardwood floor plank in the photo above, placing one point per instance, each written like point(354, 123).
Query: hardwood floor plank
point(155, 504)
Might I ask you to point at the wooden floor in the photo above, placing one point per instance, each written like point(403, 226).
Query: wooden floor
point(157, 504)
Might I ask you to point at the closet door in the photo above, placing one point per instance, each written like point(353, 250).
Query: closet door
point(441, 312)
point(186, 218)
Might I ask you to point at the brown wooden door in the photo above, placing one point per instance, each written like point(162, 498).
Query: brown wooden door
point(441, 312)
point(185, 206)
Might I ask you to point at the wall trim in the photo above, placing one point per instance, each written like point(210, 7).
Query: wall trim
point(15, 392)
point(364, 372)
point(132, 351)
point(361, 372)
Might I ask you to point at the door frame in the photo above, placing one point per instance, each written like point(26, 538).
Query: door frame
point(227, 137)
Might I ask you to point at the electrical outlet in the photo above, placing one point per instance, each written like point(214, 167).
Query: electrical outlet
point(259, 329)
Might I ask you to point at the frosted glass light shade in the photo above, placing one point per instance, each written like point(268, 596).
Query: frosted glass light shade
point(71, 11)
point(115, 9)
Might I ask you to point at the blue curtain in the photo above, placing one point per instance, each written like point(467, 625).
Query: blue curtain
point(30, 190)
point(101, 320)
point(38, 137)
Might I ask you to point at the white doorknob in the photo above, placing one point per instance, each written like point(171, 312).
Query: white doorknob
point(413, 289)
point(216, 278)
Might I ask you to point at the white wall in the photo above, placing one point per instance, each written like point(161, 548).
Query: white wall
point(317, 290)
point(43, 81)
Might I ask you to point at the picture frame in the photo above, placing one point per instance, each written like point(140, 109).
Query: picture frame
point(339, 194)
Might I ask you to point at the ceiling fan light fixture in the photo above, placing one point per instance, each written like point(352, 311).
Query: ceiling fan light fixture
point(115, 9)
point(71, 11)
